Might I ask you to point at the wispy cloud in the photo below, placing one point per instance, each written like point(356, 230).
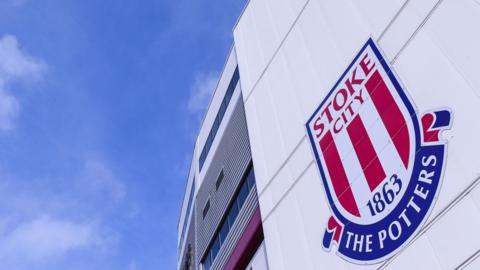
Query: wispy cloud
point(46, 237)
point(201, 92)
point(57, 217)
point(9, 109)
point(15, 66)
point(99, 179)
point(53, 215)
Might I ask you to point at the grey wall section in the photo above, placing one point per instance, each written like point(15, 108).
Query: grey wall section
point(251, 204)
point(233, 155)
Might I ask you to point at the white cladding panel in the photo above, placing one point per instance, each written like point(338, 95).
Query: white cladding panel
point(448, 242)
point(260, 26)
point(290, 57)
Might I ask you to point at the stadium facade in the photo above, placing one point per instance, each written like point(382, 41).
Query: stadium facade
point(341, 135)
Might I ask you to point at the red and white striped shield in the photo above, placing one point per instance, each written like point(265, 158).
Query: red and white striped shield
point(363, 134)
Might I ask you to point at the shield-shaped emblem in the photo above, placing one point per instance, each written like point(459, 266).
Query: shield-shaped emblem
point(380, 165)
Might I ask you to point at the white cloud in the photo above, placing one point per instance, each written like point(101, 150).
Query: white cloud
point(15, 66)
point(50, 219)
point(15, 63)
point(98, 178)
point(201, 92)
point(46, 237)
point(9, 109)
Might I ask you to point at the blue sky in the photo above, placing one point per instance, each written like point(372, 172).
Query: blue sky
point(100, 102)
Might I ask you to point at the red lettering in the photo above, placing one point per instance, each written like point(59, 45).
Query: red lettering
point(318, 126)
point(344, 117)
point(364, 65)
point(336, 104)
point(353, 81)
point(345, 102)
point(335, 129)
point(328, 113)
point(359, 96)
point(349, 108)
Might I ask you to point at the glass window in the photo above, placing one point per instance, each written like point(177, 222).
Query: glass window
point(202, 157)
point(223, 108)
point(224, 231)
point(215, 248)
point(251, 178)
point(229, 94)
point(207, 262)
point(219, 117)
point(206, 208)
point(242, 195)
point(216, 123)
point(232, 85)
point(232, 215)
point(219, 238)
point(209, 141)
point(219, 180)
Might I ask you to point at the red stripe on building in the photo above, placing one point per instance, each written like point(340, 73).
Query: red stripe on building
point(371, 166)
point(390, 114)
point(337, 173)
point(247, 245)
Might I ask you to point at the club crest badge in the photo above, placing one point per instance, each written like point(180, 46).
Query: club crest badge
point(380, 160)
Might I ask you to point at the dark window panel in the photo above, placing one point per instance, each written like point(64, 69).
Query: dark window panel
point(231, 215)
point(242, 195)
point(219, 180)
point(251, 178)
point(223, 109)
point(216, 123)
point(210, 140)
point(206, 208)
point(202, 158)
point(229, 95)
point(219, 117)
point(224, 231)
point(233, 212)
point(208, 262)
point(215, 248)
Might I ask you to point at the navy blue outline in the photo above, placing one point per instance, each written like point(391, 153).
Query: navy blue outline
point(438, 149)
point(400, 91)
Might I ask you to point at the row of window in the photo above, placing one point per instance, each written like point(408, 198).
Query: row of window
point(187, 215)
point(230, 216)
point(219, 117)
